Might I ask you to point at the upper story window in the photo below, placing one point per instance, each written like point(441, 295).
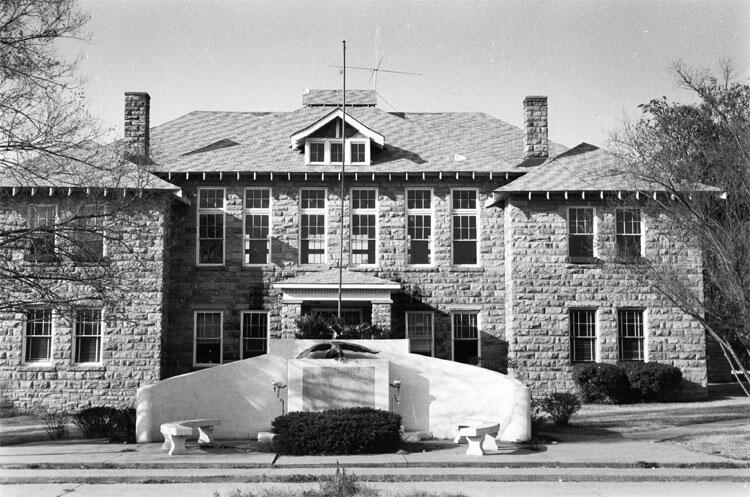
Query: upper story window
point(364, 226)
point(89, 239)
point(629, 235)
point(88, 335)
point(465, 217)
point(41, 241)
point(419, 226)
point(254, 333)
point(580, 233)
point(38, 336)
point(328, 151)
point(257, 246)
point(312, 226)
point(210, 243)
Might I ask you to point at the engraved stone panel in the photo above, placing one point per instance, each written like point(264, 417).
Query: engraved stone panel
point(335, 388)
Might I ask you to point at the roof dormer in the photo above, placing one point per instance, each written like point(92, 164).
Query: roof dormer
point(323, 140)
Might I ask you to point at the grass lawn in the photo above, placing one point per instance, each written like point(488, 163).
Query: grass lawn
point(719, 427)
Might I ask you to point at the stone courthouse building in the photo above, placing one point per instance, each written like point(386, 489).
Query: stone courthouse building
point(474, 239)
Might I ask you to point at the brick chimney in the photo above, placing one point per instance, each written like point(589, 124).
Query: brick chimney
point(535, 138)
point(137, 106)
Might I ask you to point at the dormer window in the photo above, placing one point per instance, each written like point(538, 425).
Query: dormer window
point(317, 152)
point(336, 152)
point(357, 152)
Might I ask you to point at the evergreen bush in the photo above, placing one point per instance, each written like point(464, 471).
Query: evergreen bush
point(653, 381)
point(601, 382)
point(560, 406)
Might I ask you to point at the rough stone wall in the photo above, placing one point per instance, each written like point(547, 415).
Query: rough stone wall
point(542, 286)
point(233, 288)
point(131, 341)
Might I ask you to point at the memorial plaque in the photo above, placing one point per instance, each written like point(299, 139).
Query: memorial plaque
point(336, 388)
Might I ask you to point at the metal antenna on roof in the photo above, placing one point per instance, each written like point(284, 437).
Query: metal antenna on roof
point(343, 154)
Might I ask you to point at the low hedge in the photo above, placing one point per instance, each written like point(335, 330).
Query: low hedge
point(117, 425)
point(601, 382)
point(357, 430)
point(653, 381)
point(627, 382)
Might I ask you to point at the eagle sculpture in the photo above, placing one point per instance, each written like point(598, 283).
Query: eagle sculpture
point(336, 350)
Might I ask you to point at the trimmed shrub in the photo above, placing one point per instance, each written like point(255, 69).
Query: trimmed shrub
point(600, 382)
point(538, 417)
point(56, 424)
point(358, 430)
point(315, 326)
point(560, 406)
point(117, 425)
point(653, 381)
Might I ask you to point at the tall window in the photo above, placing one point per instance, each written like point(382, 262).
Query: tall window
point(257, 226)
point(88, 244)
point(581, 232)
point(465, 217)
point(628, 237)
point(630, 334)
point(420, 332)
point(364, 221)
point(38, 335)
point(466, 337)
point(418, 226)
point(317, 152)
point(208, 326)
point(357, 151)
point(583, 335)
point(88, 335)
point(254, 333)
point(312, 226)
point(336, 152)
point(41, 241)
point(211, 226)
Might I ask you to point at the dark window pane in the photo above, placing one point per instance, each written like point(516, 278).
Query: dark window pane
point(628, 247)
point(317, 152)
point(256, 252)
point(87, 349)
point(208, 352)
point(211, 251)
point(581, 246)
point(464, 252)
point(419, 252)
point(466, 351)
point(38, 348)
point(336, 152)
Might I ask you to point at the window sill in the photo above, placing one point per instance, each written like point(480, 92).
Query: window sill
point(583, 260)
point(97, 367)
point(210, 267)
point(40, 366)
point(203, 366)
point(466, 269)
point(420, 268)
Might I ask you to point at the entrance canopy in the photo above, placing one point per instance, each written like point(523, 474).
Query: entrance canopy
point(324, 285)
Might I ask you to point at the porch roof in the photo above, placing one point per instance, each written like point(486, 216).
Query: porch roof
point(330, 280)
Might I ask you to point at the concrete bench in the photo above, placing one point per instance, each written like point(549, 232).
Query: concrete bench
point(476, 435)
point(176, 433)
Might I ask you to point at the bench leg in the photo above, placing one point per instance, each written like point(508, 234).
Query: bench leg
point(178, 445)
point(490, 442)
point(167, 442)
point(475, 446)
point(205, 435)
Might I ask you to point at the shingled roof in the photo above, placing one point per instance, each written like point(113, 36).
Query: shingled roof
point(333, 97)
point(415, 142)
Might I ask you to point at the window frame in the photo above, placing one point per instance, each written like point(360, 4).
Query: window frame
point(366, 151)
point(419, 212)
point(364, 212)
point(242, 331)
point(24, 345)
point(432, 329)
point(642, 338)
point(48, 257)
point(641, 236)
point(594, 233)
point(196, 364)
point(313, 211)
point(477, 313)
point(211, 210)
point(89, 212)
point(74, 348)
point(253, 211)
point(466, 212)
point(328, 153)
point(574, 336)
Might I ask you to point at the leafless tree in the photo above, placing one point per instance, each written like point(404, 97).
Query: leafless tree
point(61, 192)
point(682, 149)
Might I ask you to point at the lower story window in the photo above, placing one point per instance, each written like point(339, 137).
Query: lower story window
point(254, 333)
point(630, 334)
point(88, 335)
point(420, 332)
point(208, 326)
point(38, 339)
point(583, 335)
point(466, 337)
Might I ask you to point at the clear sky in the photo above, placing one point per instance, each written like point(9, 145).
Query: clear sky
point(595, 60)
